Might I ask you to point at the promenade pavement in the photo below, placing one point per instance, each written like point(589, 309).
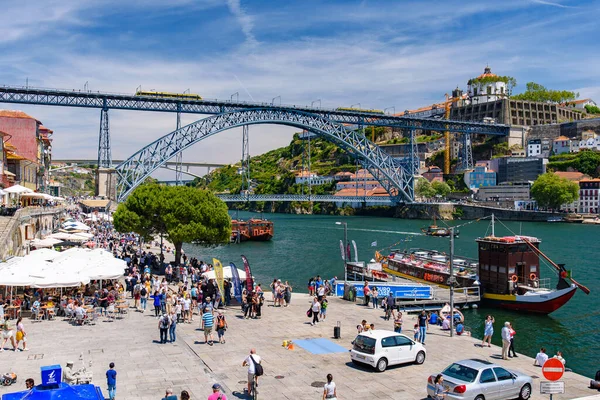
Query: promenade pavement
point(146, 368)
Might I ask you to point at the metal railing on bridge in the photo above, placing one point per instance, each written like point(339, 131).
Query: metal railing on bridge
point(235, 198)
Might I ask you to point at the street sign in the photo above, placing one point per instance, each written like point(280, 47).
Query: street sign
point(552, 387)
point(553, 369)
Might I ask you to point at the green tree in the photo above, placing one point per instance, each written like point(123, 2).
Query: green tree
point(587, 162)
point(441, 188)
point(592, 109)
point(539, 93)
point(423, 189)
point(552, 191)
point(182, 213)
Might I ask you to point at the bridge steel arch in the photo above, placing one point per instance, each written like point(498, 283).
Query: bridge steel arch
point(393, 176)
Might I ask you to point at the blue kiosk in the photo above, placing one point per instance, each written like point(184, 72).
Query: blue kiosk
point(52, 388)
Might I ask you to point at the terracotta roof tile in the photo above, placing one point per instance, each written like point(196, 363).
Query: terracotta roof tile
point(15, 114)
point(571, 175)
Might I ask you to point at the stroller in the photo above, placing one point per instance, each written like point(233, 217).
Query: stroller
point(8, 379)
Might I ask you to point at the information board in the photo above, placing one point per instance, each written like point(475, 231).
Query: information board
point(555, 387)
point(399, 291)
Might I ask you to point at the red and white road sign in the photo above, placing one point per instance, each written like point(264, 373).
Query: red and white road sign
point(553, 369)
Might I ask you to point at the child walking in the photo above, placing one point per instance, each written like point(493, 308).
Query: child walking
point(111, 381)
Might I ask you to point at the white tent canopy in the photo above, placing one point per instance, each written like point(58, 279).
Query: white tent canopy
point(18, 189)
point(48, 242)
point(48, 268)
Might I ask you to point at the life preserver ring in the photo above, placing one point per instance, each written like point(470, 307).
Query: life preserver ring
point(532, 276)
point(514, 278)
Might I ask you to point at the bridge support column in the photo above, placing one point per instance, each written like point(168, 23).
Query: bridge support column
point(179, 156)
point(245, 160)
point(414, 153)
point(104, 150)
point(466, 152)
point(106, 183)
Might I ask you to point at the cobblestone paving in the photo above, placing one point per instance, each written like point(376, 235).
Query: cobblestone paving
point(146, 368)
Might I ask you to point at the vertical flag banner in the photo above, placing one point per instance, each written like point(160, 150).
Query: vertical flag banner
point(248, 274)
point(235, 280)
point(355, 251)
point(219, 276)
point(342, 250)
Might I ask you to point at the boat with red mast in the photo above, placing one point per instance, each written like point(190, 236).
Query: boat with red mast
point(507, 272)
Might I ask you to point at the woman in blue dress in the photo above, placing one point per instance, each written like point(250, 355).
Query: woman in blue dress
point(489, 331)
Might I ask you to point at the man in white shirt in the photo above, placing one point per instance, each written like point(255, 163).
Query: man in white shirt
point(505, 340)
point(252, 359)
point(541, 357)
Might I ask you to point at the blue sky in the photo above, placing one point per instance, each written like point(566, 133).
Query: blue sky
point(402, 54)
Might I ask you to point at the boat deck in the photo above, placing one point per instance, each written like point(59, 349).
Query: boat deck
point(463, 298)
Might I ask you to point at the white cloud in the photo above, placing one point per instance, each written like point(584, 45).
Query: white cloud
point(246, 21)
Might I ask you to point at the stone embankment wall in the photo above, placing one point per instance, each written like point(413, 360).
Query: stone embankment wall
point(568, 129)
point(27, 223)
point(449, 211)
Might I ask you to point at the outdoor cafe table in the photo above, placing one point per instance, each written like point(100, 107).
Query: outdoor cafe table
point(12, 311)
point(122, 309)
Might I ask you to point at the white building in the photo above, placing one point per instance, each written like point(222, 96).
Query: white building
point(580, 104)
point(483, 88)
point(308, 177)
point(534, 148)
point(588, 196)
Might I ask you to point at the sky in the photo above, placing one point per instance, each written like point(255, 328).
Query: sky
point(392, 55)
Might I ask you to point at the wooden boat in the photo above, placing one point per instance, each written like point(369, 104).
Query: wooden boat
point(574, 218)
point(434, 230)
point(507, 272)
point(255, 229)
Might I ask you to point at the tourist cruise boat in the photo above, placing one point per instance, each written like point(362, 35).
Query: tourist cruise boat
point(256, 229)
point(507, 271)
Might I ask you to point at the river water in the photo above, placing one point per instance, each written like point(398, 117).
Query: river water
point(307, 245)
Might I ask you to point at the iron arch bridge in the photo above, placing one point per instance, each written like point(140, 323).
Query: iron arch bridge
point(396, 178)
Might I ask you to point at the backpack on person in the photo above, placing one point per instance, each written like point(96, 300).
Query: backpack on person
point(164, 322)
point(220, 322)
point(258, 369)
point(143, 292)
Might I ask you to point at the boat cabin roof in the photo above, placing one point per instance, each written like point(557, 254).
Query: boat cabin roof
point(508, 239)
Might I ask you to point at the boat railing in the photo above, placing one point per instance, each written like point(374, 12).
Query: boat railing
point(461, 294)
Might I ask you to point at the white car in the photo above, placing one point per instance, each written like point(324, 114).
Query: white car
point(380, 348)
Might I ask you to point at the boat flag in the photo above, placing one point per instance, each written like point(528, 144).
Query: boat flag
point(374, 244)
point(219, 275)
point(342, 250)
point(235, 281)
point(249, 287)
point(355, 251)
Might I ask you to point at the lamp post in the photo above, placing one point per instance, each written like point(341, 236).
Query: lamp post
point(344, 252)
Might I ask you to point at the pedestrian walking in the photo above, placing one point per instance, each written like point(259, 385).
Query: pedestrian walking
point(21, 334)
point(316, 309)
point(173, 326)
point(488, 331)
point(221, 327)
point(324, 304)
point(184, 395)
point(207, 325)
point(512, 342)
point(111, 381)
point(329, 390)
point(505, 332)
point(439, 391)
point(143, 298)
point(156, 304)
point(163, 327)
point(366, 293)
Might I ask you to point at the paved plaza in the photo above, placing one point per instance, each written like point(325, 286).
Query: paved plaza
point(146, 368)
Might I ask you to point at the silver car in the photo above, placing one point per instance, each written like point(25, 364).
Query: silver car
point(482, 380)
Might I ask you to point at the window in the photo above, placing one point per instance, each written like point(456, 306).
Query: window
point(487, 376)
point(403, 341)
point(461, 372)
point(364, 344)
point(502, 374)
point(388, 342)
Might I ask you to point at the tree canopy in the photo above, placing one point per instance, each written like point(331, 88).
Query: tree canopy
point(427, 190)
point(552, 191)
point(182, 213)
point(537, 92)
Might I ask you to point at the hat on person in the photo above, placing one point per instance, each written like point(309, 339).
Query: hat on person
point(69, 362)
point(216, 386)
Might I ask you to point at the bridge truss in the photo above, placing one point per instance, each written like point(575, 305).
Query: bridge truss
point(392, 176)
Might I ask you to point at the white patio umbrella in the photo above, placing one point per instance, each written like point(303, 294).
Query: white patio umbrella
point(226, 273)
point(48, 242)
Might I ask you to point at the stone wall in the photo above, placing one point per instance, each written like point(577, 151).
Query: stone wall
point(27, 223)
point(568, 129)
point(450, 211)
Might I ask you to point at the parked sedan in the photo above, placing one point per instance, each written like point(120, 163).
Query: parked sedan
point(482, 380)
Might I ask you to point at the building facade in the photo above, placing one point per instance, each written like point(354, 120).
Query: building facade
point(588, 196)
point(521, 169)
point(505, 191)
point(480, 177)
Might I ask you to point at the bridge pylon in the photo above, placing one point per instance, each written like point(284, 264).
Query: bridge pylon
point(104, 149)
point(246, 183)
point(179, 156)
